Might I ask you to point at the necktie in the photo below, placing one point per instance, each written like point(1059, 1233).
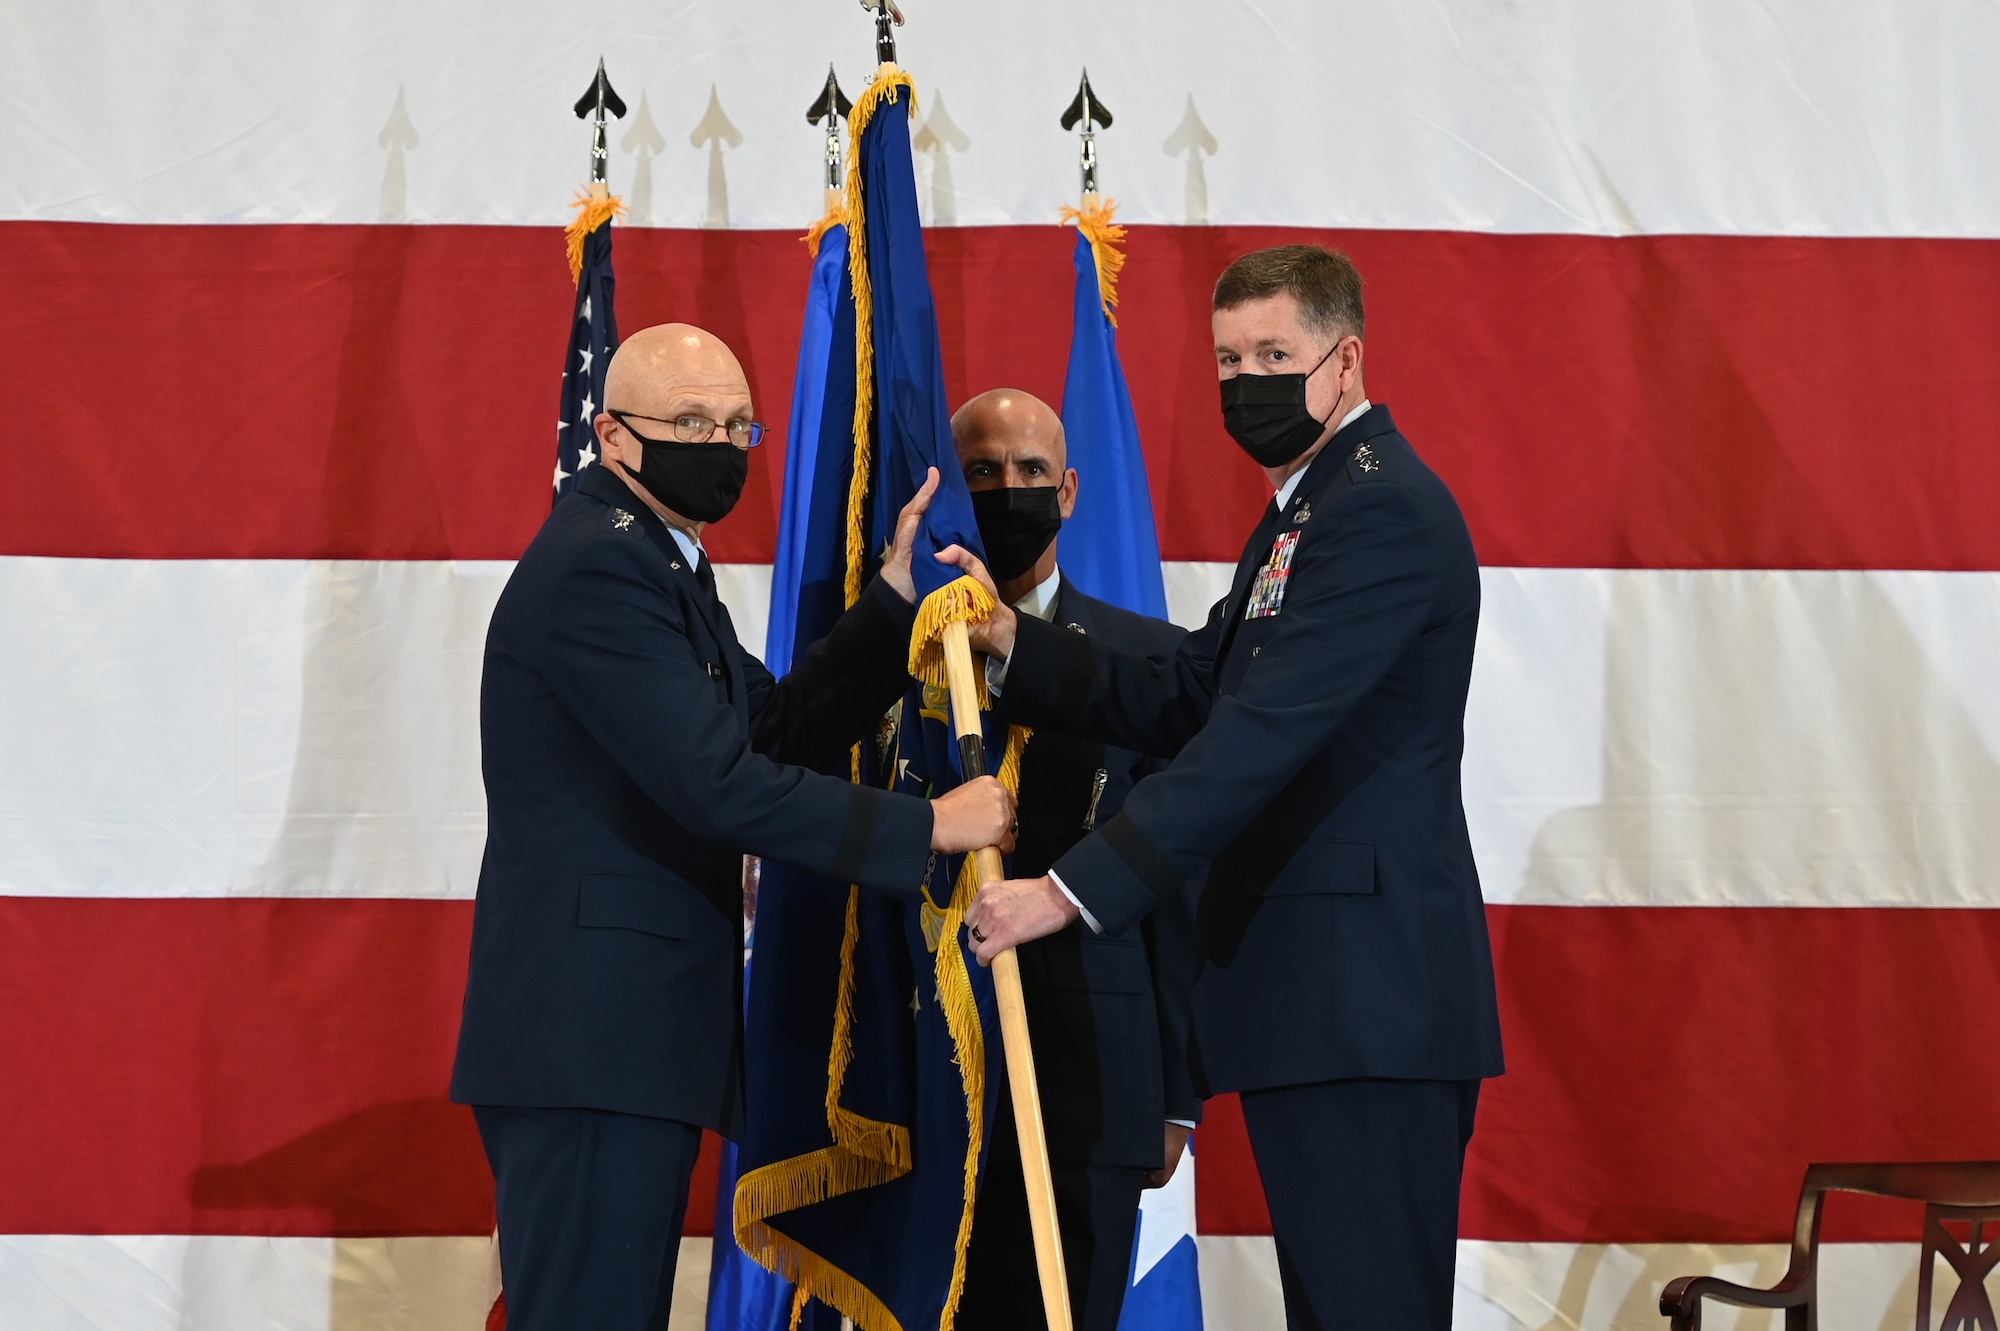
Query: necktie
point(704, 573)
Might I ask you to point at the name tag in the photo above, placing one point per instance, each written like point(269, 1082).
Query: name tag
point(1267, 593)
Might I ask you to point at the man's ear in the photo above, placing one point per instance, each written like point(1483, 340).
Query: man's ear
point(1350, 357)
point(610, 445)
point(1066, 494)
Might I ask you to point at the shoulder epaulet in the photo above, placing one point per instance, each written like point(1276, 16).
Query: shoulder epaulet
point(1365, 463)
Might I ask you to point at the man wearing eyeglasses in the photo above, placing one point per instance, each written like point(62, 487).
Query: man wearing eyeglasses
point(633, 753)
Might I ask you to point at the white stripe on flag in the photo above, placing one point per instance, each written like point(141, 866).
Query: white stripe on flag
point(1708, 116)
point(309, 728)
point(63, 1282)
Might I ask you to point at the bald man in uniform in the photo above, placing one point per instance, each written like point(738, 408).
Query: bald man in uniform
point(1108, 1012)
point(633, 753)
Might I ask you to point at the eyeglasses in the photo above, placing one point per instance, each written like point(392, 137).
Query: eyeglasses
point(696, 429)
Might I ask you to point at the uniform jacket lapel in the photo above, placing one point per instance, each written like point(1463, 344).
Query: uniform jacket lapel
point(1329, 466)
point(609, 489)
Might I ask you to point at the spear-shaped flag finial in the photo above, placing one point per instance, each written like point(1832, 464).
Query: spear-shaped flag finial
point(1093, 115)
point(599, 98)
point(832, 107)
point(887, 19)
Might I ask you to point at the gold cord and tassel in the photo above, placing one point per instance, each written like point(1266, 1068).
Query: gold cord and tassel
point(1105, 237)
point(592, 212)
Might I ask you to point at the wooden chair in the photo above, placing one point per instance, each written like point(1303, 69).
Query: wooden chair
point(1965, 1193)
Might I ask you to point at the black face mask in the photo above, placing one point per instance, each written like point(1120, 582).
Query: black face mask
point(1015, 526)
point(1266, 414)
point(701, 482)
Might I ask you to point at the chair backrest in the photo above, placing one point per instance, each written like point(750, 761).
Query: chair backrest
point(1971, 1305)
point(1957, 1196)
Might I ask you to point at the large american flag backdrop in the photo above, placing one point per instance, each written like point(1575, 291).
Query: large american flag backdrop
point(1696, 306)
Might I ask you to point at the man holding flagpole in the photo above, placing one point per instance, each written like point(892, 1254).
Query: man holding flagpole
point(1312, 810)
point(1108, 1012)
point(632, 753)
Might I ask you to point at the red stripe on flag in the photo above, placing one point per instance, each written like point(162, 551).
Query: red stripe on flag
point(390, 392)
point(1672, 1071)
point(279, 1067)
point(235, 1067)
point(252, 1066)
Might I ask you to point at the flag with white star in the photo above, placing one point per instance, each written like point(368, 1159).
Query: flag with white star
point(593, 336)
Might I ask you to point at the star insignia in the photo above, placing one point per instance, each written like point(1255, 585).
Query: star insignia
point(621, 519)
point(1365, 456)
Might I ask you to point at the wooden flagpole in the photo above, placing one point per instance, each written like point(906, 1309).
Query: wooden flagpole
point(1027, 1098)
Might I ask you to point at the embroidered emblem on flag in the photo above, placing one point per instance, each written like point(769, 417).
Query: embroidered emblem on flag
point(1267, 593)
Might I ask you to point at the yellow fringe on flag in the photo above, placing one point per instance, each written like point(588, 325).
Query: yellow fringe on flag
point(866, 1153)
point(968, 1037)
point(960, 601)
point(835, 214)
point(591, 213)
point(1105, 237)
point(885, 1143)
point(888, 83)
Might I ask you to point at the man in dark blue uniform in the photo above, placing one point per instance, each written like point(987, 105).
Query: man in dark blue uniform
point(633, 752)
point(1108, 1012)
point(1312, 811)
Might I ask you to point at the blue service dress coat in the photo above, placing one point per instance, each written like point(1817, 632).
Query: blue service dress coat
point(1312, 810)
point(633, 753)
point(1108, 1013)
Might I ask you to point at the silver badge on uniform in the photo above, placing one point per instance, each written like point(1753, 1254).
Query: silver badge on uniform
point(622, 520)
point(1302, 514)
point(1365, 455)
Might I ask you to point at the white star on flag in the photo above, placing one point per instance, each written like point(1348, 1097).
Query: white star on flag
point(586, 353)
point(585, 457)
point(561, 476)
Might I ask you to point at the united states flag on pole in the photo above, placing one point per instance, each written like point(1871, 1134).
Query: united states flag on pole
point(593, 337)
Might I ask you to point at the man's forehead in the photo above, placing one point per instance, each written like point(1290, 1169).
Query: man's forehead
point(1257, 324)
point(1010, 446)
point(684, 388)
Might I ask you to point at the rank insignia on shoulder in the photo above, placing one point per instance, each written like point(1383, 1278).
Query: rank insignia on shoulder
point(1302, 514)
point(622, 520)
point(1075, 628)
point(1365, 457)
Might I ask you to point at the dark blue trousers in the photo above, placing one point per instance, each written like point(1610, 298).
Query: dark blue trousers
point(590, 1207)
point(1097, 1209)
point(1362, 1179)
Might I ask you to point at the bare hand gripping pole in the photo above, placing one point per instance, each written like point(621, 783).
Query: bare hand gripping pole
point(1013, 1009)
